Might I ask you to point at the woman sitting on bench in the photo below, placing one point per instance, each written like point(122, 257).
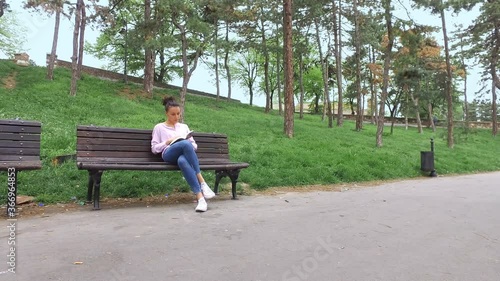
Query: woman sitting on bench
point(165, 140)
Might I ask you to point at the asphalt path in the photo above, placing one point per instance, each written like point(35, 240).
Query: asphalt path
point(443, 229)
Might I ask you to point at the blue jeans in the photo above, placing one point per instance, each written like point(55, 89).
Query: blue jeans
point(182, 153)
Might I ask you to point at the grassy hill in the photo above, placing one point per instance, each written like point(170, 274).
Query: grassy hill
point(316, 155)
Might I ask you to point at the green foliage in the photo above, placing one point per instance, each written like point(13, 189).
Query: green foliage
point(10, 28)
point(316, 155)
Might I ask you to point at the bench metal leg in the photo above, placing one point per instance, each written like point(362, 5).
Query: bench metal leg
point(218, 176)
point(96, 178)
point(232, 174)
point(90, 187)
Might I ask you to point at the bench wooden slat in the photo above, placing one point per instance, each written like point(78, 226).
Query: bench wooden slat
point(19, 158)
point(113, 135)
point(21, 165)
point(20, 122)
point(159, 167)
point(110, 129)
point(92, 141)
point(27, 144)
point(139, 131)
point(140, 159)
point(205, 147)
point(144, 135)
point(146, 142)
point(19, 137)
point(20, 129)
point(19, 151)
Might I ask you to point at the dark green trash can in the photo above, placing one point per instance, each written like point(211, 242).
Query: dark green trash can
point(427, 161)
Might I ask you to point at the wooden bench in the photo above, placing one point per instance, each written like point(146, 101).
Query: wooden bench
point(19, 150)
point(104, 148)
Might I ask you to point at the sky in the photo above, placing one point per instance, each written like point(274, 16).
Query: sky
point(40, 33)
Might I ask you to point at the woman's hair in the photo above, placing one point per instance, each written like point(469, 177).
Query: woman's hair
point(169, 102)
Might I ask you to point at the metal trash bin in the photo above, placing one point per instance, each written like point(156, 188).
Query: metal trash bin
point(427, 161)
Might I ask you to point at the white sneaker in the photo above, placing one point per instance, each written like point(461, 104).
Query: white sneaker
point(207, 192)
point(202, 205)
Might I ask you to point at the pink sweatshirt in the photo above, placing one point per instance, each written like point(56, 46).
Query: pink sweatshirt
point(161, 133)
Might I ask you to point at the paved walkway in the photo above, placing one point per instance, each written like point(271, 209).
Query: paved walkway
point(442, 229)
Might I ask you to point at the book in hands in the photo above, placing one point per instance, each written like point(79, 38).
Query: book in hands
point(180, 138)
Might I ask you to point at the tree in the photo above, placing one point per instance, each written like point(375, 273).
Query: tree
point(288, 61)
point(10, 29)
point(4, 6)
point(245, 71)
point(337, 35)
point(388, 43)
point(438, 7)
point(149, 56)
point(194, 35)
point(461, 55)
point(323, 60)
point(357, 56)
point(483, 38)
point(50, 7)
point(78, 39)
point(214, 13)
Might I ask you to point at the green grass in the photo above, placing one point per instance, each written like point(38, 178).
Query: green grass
point(316, 155)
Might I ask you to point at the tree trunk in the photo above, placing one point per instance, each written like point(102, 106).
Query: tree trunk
point(148, 52)
point(83, 24)
point(288, 61)
point(417, 112)
point(338, 61)
point(53, 52)
point(494, 116)
point(186, 71)
point(278, 74)
point(226, 63)
point(266, 63)
point(125, 45)
point(74, 58)
point(387, 64)
point(449, 89)
point(2, 4)
point(393, 117)
point(466, 104)
point(327, 108)
point(357, 47)
point(301, 85)
point(494, 62)
point(250, 91)
point(216, 43)
point(160, 75)
point(431, 118)
point(373, 99)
